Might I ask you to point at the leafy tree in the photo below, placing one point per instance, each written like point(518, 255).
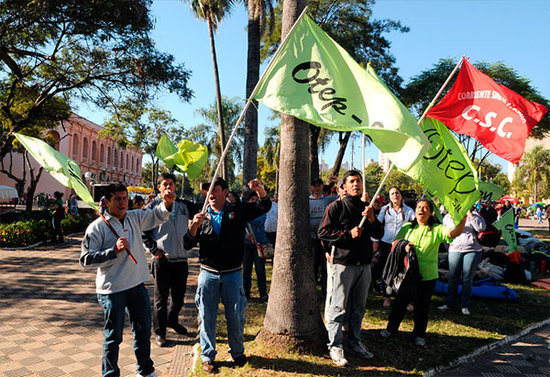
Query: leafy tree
point(257, 12)
point(352, 25)
point(267, 173)
point(534, 171)
point(206, 134)
point(270, 153)
point(213, 12)
point(55, 52)
point(292, 318)
point(421, 88)
point(136, 124)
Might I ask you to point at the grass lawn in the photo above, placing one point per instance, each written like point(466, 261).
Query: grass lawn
point(450, 335)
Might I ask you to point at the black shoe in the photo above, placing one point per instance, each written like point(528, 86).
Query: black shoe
point(160, 340)
point(240, 361)
point(178, 328)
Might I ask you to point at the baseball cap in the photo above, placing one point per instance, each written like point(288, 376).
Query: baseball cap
point(379, 198)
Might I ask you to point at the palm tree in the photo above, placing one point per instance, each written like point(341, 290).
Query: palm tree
point(205, 134)
point(292, 318)
point(257, 11)
point(534, 170)
point(272, 150)
point(213, 11)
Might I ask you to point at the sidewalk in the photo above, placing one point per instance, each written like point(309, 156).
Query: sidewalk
point(51, 324)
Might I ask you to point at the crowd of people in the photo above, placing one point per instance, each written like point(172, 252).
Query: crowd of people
point(356, 247)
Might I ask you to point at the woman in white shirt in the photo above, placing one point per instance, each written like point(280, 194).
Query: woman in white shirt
point(393, 215)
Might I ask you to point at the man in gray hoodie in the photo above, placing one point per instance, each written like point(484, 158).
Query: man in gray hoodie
point(120, 279)
point(169, 266)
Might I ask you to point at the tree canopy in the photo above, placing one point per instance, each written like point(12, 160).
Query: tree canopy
point(92, 51)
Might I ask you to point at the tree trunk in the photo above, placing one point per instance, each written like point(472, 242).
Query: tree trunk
point(33, 182)
point(221, 126)
point(292, 319)
point(314, 151)
point(343, 138)
point(250, 158)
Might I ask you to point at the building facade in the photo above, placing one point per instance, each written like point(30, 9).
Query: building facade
point(101, 160)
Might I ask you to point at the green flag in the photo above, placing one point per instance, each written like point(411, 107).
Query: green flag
point(506, 224)
point(189, 157)
point(314, 79)
point(490, 191)
point(61, 167)
point(446, 171)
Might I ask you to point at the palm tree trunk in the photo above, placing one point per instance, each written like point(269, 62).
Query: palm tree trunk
point(344, 139)
point(250, 158)
point(292, 319)
point(221, 127)
point(314, 151)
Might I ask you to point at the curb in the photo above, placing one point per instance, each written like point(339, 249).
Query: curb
point(484, 349)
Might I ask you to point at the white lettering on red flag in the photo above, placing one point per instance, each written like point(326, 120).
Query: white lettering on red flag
point(498, 117)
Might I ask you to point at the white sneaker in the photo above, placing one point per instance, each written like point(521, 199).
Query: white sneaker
point(152, 374)
point(337, 356)
point(466, 311)
point(443, 307)
point(361, 350)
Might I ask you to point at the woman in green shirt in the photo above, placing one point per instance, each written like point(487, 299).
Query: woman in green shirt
point(426, 236)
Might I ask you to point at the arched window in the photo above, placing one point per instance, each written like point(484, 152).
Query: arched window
point(101, 153)
point(94, 151)
point(109, 156)
point(132, 165)
point(121, 159)
point(75, 145)
point(85, 148)
point(115, 152)
point(126, 161)
point(137, 165)
point(55, 135)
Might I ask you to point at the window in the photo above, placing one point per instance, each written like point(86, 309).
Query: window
point(121, 159)
point(101, 153)
point(75, 145)
point(85, 148)
point(109, 156)
point(94, 151)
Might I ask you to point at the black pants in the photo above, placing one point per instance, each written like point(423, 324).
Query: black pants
point(421, 300)
point(57, 234)
point(170, 281)
point(377, 265)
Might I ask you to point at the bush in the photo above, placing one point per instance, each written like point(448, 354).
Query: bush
point(37, 227)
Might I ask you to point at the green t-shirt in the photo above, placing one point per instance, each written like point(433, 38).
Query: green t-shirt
point(426, 244)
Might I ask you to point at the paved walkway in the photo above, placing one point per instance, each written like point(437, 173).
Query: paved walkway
point(51, 323)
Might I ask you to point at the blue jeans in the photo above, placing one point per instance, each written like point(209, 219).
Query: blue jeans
point(467, 264)
point(229, 287)
point(251, 257)
point(350, 288)
point(134, 301)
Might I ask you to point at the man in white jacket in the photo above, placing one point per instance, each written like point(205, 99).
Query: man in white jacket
point(120, 282)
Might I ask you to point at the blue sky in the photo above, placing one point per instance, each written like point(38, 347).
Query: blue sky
point(514, 32)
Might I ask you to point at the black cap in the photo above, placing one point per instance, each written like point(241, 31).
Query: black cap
point(316, 181)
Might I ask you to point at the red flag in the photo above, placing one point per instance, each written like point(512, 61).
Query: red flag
point(498, 117)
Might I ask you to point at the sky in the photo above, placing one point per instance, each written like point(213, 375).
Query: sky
point(515, 32)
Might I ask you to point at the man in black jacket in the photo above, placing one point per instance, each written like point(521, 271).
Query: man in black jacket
point(350, 272)
point(220, 234)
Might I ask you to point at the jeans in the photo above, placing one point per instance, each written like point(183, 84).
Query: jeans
point(467, 264)
point(421, 300)
point(229, 287)
point(134, 301)
point(250, 257)
point(350, 287)
point(170, 281)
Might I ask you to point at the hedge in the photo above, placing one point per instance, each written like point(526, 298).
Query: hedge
point(37, 228)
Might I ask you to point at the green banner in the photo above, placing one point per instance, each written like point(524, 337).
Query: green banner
point(506, 224)
point(314, 79)
point(490, 191)
point(188, 157)
point(61, 167)
point(446, 171)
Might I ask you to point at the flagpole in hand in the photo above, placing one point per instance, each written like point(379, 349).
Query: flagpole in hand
point(419, 121)
point(117, 236)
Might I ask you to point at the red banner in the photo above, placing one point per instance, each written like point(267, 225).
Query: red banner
point(498, 117)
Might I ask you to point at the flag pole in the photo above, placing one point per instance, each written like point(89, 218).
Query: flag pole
point(419, 121)
point(116, 235)
point(363, 161)
point(248, 101)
